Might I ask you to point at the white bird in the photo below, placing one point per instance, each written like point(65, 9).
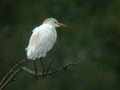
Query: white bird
point(42, 39)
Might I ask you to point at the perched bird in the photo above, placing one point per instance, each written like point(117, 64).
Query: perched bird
point(42, 39)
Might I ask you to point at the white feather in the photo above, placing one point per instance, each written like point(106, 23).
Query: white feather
point(41, 41)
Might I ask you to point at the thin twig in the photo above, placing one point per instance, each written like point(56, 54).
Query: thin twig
point(48, 67)
point(64, 67)
point(10, 78)
point(11, 71)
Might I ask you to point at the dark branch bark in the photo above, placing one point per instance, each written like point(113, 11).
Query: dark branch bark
point(11, 71)
point(48, 67)
point(49, 72)
point(9, 77)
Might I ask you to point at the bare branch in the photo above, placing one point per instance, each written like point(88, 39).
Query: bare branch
point(49, 72)
point(15, 71)
point(10, 78)
point(11, 71)
point(64, 67)
point(48, 67)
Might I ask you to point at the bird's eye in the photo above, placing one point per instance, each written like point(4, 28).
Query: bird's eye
point(55, 21)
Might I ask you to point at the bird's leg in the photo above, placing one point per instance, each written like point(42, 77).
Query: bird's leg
point(42, 65)
point(35, 66)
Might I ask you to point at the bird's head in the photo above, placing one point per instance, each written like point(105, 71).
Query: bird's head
point(53, 22)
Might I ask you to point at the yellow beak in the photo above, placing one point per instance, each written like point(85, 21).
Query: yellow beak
point(61, 25)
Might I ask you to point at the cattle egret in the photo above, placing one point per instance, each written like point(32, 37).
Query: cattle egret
point(42, 40)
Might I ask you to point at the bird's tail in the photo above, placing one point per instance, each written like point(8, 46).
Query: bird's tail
point(30, 53)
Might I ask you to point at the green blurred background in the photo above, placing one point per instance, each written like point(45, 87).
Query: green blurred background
point(92, 37)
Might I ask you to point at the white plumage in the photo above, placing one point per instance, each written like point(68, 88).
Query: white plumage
point(42, 39)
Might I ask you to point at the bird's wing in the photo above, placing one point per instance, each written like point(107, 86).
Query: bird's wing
point(41, 41)
point(34, 40)
point(33, 44)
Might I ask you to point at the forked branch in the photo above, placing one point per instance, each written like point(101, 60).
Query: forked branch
point(13, 72)
point(49, 72)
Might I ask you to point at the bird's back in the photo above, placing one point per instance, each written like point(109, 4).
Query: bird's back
point(41, 41)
